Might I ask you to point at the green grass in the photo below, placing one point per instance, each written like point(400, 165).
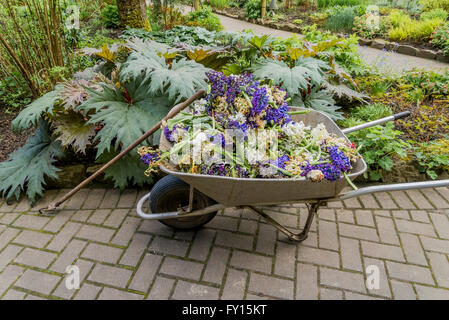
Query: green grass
point(342, 21)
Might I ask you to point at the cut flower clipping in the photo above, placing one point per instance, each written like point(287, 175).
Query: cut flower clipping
point(244, 129)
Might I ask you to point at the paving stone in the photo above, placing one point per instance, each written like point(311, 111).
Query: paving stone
point(345, 216)
point(116, 218)
point(382, 251)
point(352, 203)
point(420, 216)
point(7, 207)
point(216, 265)
point(369, 202)
point(33, 297)
point(415, 227)
point(319, 256)
point(14, 295)
point(288, 220)
point(156, 228)
point(191, 291)
point(146, 272)
point(435, 198)
point(251, 261)
point(126, 231)
point(414, 253)
point(81, 215)
point(102, 253)
point(335, 204)
point(9, 276)
point(9, 217)
point(364, 218)
point(248, 226)
point(359, 232)
point(307, 282)
point(77, 200)
point(330, 294)
point(94, 233)
point(327, 235)
point(31, 221)
point(409, 273)
point(99, 216)
point(117, 277)
point(68, 256)
point(135, 250)
point(35, 258)
point(202, 244)
point(402, 200)
point(223, 223)
point(401, 214)
point(385, 200)
point(402, 290)
point(64, 236)
point(384, 287)
point(239, 241)
point(387, 231)
point(58, 221)
point(271, 286)
point(87, 292)
point(114, 294)
point(430, 293)
point(350, 254)
point(127, 199)
point(8, 254)
point(169, 246)
point(110, 199)
point(94, 199)
point(443, 191)
point(432, 244)
point(342, 279)
point(418, 198)
point(38, 281)
point(161, 289)
point(285, 260)
point(441, 223)
point(266, 239)
point(440, 268)
point(235, 285)
point(63, 291)
point(182, 268)
point(6, 236)
point(326, 214)
point(33, 238)
point(358, 296)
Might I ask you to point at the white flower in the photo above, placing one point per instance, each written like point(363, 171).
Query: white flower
point(254, 155)
point(199, 106)
point(295, 130)
point(239, 117)
point(319, 134)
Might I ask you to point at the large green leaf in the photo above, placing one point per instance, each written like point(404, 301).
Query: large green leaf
point(126, 114)
point(32, 113)
point(320, 100)
point(72, 130)
point(127, 170)
point(27, 166)
point(307, 71)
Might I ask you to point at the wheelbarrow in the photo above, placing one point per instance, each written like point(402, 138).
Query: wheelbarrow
point(186, 201)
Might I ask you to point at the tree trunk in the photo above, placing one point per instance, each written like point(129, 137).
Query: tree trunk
point(263, 11)
point(197, 4)
point(133, 13)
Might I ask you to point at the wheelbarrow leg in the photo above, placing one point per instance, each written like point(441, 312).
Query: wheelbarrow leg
point(298, 237)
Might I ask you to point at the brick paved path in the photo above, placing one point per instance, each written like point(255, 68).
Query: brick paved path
point(404, 234)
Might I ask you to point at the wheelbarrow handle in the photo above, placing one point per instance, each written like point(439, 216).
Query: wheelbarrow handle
point(394, 187)
point(396, 116)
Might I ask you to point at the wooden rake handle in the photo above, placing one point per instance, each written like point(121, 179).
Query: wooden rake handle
point(173, 112)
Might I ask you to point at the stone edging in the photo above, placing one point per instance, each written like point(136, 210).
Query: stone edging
point(373, 43)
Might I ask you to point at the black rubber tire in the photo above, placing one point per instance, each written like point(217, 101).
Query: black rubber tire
point(169, 193)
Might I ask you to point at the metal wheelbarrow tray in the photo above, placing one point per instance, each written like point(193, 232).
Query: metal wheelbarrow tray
point(251, 192)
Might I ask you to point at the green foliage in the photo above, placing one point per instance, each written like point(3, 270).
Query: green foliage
point(406, 28)
point(205, 18)
point(440, 38)
point(253, 8)
point(320, 100)
point(434, 14)
point(432, 84)
point(27, 167)
point(219, 4)
point(435, 4)
point(341, 21)
point(110, 16)
point(371, 112)
point(379, 146)
point(364, 26)
point(331, 3)
point(72, 130)
point(179, 79)
point(433, 157)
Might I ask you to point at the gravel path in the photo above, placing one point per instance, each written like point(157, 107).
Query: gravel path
point(388, 62)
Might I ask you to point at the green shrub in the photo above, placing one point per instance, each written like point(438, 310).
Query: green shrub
point(331, 3)
point(371, 112)
point(440, 38)
point(406, 28)
point(364, 28)
point(342, 21)
point(253, 8)
point(219, 4)
point(434, 14)
point(204, 18)
point(110, 17)
point(435, 4)
point(433, 156)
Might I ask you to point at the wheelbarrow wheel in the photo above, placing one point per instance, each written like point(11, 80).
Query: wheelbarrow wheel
point(171, 193)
